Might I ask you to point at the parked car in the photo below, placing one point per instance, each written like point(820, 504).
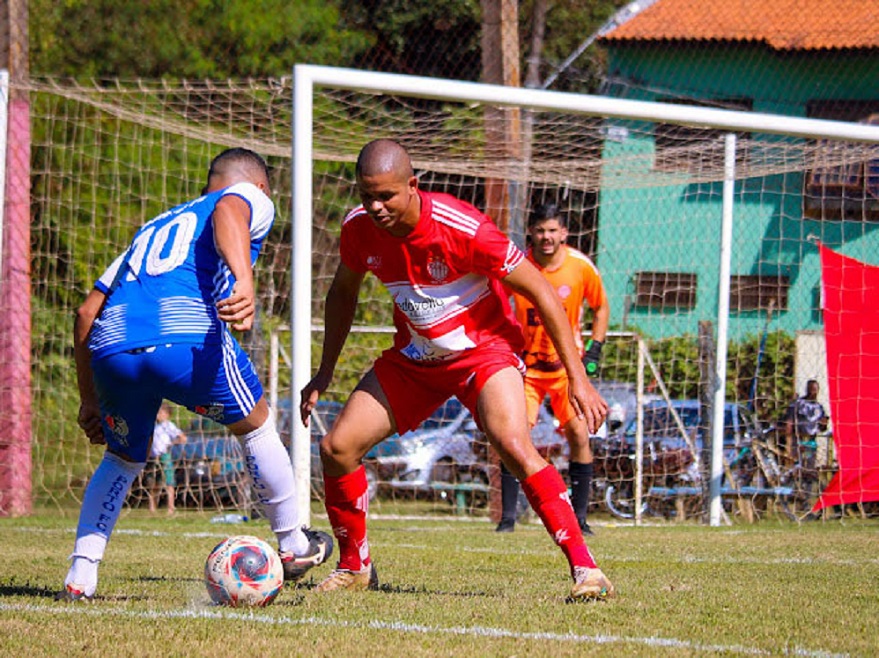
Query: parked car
point(210, 466)
point(622, 402)
point(739, 425)
point(440, 452)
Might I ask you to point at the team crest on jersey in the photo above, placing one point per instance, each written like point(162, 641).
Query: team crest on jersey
point(214, 411)
point(437, 268)
point(119, 428)
point(373, 262)
point(564, 291)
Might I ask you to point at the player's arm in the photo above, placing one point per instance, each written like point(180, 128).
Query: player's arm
point(601, 321)
point(824, 421)
point(595, 295)
point(528, 282)
point(231, 221)
point(89, 407)
point(339, 309)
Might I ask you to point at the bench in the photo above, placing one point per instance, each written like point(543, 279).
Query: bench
point(674, 492)
point(744, 497)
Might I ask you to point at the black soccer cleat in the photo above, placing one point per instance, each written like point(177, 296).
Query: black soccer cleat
point(584, 528)
point(506, 525)
point(320, 548)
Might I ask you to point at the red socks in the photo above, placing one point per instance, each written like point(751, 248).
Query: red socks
point(548, 496)
point(347, 502)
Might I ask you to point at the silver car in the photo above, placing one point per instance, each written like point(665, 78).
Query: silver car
point(437, 454)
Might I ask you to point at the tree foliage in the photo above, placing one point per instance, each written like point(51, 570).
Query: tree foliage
point(568, 24)
point(187, 38)
point(440, 38)
point(265, 38)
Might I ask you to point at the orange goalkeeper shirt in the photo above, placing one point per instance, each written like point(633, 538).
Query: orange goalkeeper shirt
point(575, 281)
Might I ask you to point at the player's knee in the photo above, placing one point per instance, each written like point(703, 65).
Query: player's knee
point(333, 451)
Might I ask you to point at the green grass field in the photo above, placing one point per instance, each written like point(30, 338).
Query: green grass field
point(455, 587)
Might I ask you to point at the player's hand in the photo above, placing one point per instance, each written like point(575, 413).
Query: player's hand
point(89, 420)
point(592, 357)
point(310, 395)
point(238, 309)
point(587, 402)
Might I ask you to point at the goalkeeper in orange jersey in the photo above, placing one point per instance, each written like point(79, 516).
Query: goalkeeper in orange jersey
point(576, 280)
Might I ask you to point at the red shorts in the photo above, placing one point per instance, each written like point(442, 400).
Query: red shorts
point(414, 390)
point(536, 388)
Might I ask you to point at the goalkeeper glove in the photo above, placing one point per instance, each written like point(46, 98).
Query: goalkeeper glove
point(592, 357)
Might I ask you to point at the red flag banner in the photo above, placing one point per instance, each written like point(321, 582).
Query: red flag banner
point(851, 329)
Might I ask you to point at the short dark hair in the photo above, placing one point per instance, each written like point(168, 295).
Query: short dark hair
point(544, 211)
point(239, 157)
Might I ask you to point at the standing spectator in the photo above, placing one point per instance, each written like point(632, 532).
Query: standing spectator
point(442, 262)
point(575, 279)
point(805, 418)
point(155, 327)
point(160, 467)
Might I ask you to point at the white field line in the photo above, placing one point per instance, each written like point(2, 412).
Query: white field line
point(93, 610)
point(683, 559)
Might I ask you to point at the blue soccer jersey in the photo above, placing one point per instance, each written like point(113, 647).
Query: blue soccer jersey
point(165, 287)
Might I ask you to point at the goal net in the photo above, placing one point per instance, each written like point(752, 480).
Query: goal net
point(644, 198)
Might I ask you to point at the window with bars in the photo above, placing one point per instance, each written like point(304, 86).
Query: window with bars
point(751, 292)
point(843, 182)
point(665, 290)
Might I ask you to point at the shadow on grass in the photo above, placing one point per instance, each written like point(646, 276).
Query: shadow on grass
point(165, 579)
point(11, 588)
point(389, 588)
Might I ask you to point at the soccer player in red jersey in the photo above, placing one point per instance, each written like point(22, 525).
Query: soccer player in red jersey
point(443, 263)
point(575, 280)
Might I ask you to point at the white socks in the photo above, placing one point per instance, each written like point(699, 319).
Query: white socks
point(104, 497)
point(272, 476)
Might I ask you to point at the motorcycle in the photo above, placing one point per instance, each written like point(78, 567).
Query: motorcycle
point(665, 469)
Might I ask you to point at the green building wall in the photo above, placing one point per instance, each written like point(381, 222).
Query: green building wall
point(676, 227)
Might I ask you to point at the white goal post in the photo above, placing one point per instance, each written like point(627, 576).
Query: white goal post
point(307, 79)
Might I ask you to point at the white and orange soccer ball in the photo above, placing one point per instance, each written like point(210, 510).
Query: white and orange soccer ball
point(243, 571)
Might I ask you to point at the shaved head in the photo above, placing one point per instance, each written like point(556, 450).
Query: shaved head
point(387, 186)
point(384, 156)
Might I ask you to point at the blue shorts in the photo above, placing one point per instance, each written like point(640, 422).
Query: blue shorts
point(215, 381)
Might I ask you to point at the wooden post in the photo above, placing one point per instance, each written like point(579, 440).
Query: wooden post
point(500, 65)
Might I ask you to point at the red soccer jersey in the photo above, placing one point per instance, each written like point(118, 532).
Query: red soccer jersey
point(444, 277)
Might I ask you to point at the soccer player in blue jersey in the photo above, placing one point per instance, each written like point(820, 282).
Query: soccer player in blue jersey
point(155, 327)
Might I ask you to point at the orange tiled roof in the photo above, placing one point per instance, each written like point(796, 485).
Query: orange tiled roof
point(781, 24)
